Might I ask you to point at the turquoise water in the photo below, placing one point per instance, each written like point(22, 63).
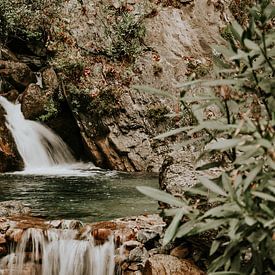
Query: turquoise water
point(86, 195)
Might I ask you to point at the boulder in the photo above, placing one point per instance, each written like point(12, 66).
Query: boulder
point(170, 265)
point(33, 102)
point(19, 75)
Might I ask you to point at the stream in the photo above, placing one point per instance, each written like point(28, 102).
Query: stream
point(88, 195)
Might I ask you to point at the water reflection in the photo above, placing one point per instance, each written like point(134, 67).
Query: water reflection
point(99, 195)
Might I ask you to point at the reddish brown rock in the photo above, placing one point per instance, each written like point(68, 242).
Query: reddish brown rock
point(180, 252)
point(10, 159)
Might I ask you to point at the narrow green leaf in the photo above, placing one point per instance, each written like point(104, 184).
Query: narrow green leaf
point(223, 144)
point(271, 163)
point(154, 91)
point(210, 83)
point(173, 132)
point(249, 220)
point(263, 196)
point(251, 45)
point(212, 186)
point(272, 189)
point(187, 142)
point(240, 55)
point(172, 228)
point(214, 247)
point(196, 191)
point(209, 165)
point(170, 211)
point(264, 143)
point(225, 273)
point(199, 98)
point(267, 210)
point(236, 30)
point(270, 223)
point(251, 176)
point(244, 158)
point(161, 196)
point(185, 229)
point(207, 225)
point(224, 210)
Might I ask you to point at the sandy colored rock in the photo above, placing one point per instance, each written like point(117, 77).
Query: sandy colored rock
point(170, 265)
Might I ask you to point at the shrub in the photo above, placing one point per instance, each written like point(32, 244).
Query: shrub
point(26, 20)
point(126, 37)
point(243, 196)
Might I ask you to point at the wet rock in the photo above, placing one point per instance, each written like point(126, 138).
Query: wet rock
point(14, 234)
point(49, 79)
point(71, 224)
point(131, 244)
point(10, 159)
point(7, 55)
point(19, 75)
point(145, 236)
point(55, 223)
point(169, 265)
point(33, 102)
point(2, 239)
point(101, 235)
point(11, 95)
point(138, 254)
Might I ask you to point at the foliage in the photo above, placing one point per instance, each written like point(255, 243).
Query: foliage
point(126, 37)
point(243, 196)
point(26, 20)
point(51, 108)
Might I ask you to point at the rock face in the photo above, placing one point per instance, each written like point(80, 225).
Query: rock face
point(10, 159)
point(118, 124)
point(112, 123)
point(170, 265)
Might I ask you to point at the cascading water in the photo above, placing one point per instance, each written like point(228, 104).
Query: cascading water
point(57, 252)
point(38, 146)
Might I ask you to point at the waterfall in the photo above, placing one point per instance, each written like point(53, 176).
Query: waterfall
point(57, 252)
point(38, 146)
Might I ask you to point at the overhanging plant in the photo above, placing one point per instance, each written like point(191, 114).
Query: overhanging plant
point(243, 196)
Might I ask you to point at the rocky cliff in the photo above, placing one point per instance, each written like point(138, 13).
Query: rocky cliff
point(80, 80)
